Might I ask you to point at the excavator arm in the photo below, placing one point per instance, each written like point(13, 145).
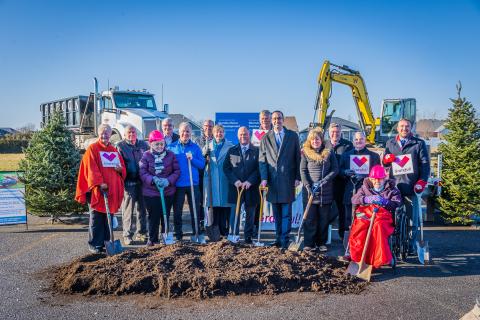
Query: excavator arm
point(344, 75)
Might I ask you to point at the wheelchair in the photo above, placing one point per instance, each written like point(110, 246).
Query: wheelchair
point(401, 237)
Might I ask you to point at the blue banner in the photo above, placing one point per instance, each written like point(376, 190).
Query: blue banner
point(231, 121)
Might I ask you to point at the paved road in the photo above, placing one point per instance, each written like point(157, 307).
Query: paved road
point(445, 290)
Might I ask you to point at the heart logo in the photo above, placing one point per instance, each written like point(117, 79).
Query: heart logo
point(109, 156)
point(259, 134)
point(360, 161)
point(402, 162)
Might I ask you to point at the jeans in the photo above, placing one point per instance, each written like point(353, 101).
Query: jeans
point(282, 213)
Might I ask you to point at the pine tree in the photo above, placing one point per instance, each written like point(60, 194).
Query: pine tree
point(50, 171)
point(460, 199)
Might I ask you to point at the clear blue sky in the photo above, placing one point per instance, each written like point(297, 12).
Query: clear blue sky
point(237, 55)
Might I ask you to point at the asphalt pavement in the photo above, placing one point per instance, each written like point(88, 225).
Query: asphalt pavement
point(447, 289)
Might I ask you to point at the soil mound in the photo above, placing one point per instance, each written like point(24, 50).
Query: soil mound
point(196, 271)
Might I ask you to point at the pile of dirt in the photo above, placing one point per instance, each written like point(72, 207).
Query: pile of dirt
point(196, 271)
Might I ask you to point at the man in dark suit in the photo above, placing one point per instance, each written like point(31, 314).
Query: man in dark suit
point(241, 169)
point(280, 171)
point(339, 146)
point(167, 129)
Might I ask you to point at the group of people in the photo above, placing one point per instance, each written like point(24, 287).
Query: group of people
point(172, 166)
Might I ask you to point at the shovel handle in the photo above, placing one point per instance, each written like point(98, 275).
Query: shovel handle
point(192, 191)
point(164, 208)
point(109, 216)
point(420, 214)
point(367, 240)
point(304, 216)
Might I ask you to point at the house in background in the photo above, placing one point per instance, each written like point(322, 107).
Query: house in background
point(5, 131)
point(291, 123)
point(427, 128)
point(348, 129)
point(178, 118)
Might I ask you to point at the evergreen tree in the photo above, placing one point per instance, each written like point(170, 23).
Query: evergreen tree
point(460, 198)
point(50, 171)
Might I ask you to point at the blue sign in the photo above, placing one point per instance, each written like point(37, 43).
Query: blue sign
point(12, 199)
point(231, 121)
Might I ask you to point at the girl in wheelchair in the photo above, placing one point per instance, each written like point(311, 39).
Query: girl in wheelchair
point(376, 191)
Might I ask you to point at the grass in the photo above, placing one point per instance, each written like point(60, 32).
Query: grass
point(10, 161)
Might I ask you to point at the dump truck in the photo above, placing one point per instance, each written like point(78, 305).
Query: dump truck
point(118, 108)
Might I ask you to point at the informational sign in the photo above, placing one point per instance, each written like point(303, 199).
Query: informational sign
point(231, 121)
point(110, 159)
point(360, 164)
point(257, 135)
point(12, 199)
point(402, 164)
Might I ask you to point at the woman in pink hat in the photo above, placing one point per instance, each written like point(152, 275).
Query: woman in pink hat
point(158, 169)
point(376, 191)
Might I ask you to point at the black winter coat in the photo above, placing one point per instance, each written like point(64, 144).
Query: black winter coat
point(340, 148)
point(236, 167)
point(280, 167)
point(420, 159)
point(345, 164)
point(315, 166)
point(132, 154)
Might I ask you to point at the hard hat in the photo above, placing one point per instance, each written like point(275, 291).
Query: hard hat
point(377, 172)
point(155, 135)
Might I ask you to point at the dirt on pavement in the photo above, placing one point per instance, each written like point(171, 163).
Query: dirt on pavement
point(203, 271)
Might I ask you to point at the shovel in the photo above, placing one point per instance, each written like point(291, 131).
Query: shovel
point(263, 193)
point(297, 245)
point(213, 231)
point(235, 237)
point(199, 238)
point(112, 246)
point(362, 270)
point(422, 246)
point(167, 236)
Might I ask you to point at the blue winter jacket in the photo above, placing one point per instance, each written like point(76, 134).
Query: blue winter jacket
point(198, 162)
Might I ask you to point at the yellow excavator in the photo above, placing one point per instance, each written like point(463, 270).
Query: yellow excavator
point(377, 130)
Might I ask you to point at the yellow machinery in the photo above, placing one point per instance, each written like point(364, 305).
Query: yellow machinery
point(377, 130)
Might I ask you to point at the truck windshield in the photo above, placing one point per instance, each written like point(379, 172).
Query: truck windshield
point(131, 100)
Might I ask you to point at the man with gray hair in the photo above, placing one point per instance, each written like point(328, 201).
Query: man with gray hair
point(167, 129)
point(338, 145)
point(355, 165)
point(131, 149)
point(265, 119)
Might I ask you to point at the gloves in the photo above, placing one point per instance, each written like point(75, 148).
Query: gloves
point(420, 186)
point(372, 199)
point(164, 182)
point(382, 202)
point(348, 172)
point(388, 158)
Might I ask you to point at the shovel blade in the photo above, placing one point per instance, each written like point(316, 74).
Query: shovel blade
point(297, 245)
point(199, 239)
point(113, 248)
point(168, 238)
point(258, 244)
point(362, 271)
point(233, 238)
point(423, 252)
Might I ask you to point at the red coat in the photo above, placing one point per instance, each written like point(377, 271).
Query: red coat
point(92, 174)
point(378, 252)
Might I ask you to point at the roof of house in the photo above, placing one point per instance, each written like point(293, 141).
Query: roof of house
point(347, 125)
point(178, 118)
point(291, 123)
point(424, 126)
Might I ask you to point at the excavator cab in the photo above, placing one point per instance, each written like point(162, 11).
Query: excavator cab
point(392, 111)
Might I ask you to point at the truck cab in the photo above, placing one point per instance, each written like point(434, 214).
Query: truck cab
point(137, 108)
point(115, 107)
point(393, 110)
